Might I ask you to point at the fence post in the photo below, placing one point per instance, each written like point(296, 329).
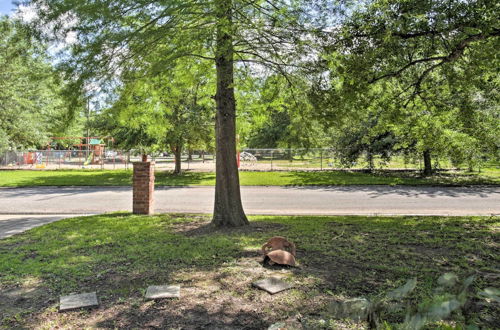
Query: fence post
point(321, 161)
point(272, 151)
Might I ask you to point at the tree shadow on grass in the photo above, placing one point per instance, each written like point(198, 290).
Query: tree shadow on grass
point(203, 226)
point(384, 177)
point(119, 255)
point(167, 178)
point(103, 178)
point(340, 182)
point(170, 315)
point(75, 178)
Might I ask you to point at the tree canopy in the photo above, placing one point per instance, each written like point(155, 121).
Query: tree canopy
point(423, 70)
point(32, 107)
point(171, 111)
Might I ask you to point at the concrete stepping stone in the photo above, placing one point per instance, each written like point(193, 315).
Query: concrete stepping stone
point(75, 301)
point(272, 285)
point(163, 291)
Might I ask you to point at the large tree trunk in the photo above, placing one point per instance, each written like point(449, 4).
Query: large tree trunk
point(228, 210)
point(177, 155)
point(427, 163)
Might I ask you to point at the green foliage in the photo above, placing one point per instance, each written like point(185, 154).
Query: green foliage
point(32, 107)
point(165, 111)
point(350, 143)
point(424, 71)
point(121, 40)
point(284, 117)
point(451, 296)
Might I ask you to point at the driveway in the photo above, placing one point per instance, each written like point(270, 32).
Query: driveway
point(11, 224)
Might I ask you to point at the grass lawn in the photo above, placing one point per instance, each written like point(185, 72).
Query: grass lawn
point(119, 255)
point(20, 178)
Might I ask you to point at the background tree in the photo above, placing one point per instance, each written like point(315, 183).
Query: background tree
point(171, 111)
point(366, 138)
point(283, 116)
point(421, 63)
point(144, 133)
point(32, 107)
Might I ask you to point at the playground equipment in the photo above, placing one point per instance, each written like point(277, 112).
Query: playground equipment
point(93, 149)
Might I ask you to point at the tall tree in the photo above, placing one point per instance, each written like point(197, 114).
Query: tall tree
point(415, 57)
point(32, 107)
point(116, 36)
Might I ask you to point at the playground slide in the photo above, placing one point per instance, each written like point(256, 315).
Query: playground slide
point(89, 159)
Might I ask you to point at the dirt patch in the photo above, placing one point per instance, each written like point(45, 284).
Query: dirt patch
point(429, 251)
point(203, 226)
point(210, 299)
point(18, 301)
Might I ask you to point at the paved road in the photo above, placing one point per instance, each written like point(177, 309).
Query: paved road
point(24, 208)
point(261, 200)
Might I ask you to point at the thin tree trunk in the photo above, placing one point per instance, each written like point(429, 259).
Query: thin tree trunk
point(369, 158)
point(427, 163)
point(469, 165)
point(228, 210)
point(177, 155)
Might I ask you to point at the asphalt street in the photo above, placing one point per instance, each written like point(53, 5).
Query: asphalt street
point(261, 200)
point(38, 205)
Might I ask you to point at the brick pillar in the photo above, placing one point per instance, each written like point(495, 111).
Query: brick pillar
point(144, 186)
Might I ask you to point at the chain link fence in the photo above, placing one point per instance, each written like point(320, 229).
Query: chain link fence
point(249, 159)
point(109, 160)
point(64, 159)
point(323, 159)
